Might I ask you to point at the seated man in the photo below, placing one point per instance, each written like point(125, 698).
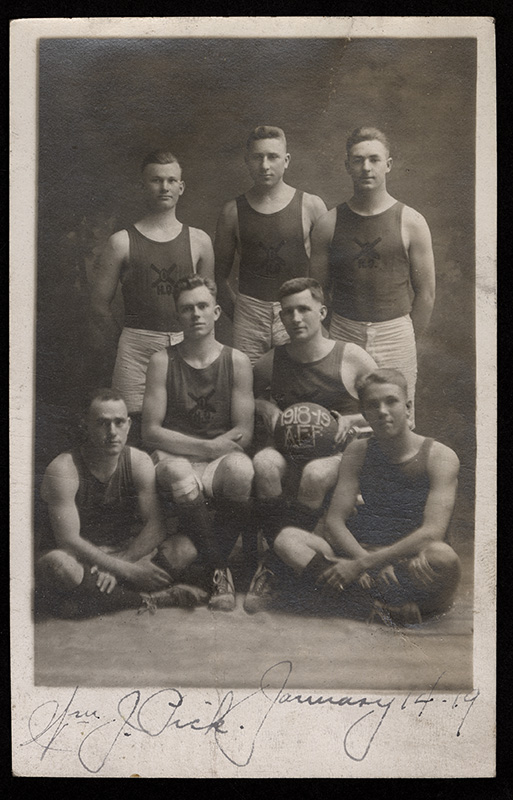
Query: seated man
point(393, 547)
point(104, 522)
point(310, 368)
point(198, 416)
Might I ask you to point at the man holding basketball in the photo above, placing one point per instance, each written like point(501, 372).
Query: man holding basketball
point(198, 417)
point(310, 368)
point(377, 255)
point(393, 548)
point(148, 258)
point(269, 228)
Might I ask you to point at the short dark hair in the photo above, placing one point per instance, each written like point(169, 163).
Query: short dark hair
point(159, 157)
point(384, 375)
point(367, 133)
point(103, 395)
point(192, 282)
point(296, 285)
point(266, 132)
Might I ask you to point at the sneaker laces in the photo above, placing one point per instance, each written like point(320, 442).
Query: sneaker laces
point(262, 582)
point(222, 583)
point(148, 604)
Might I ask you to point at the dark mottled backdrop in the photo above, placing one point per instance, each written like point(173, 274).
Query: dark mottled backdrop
point(104, 103)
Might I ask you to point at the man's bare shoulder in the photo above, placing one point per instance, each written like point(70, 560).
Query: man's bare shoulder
point(354, 455)
point(314, 204)
point(265, 362)
point(443, 457)
point(229, 211)
point(199, 236)
point(413, 219)
point(159, 359)
point(119, 241)
point(61, 476)
point(142, 465)
point(240, 360)
point(359, 357)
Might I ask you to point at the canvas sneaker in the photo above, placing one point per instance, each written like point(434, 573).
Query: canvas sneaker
point(222, 597)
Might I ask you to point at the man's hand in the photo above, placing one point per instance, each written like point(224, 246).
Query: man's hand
point(222, 445)
point(387, 575)
point(421, 570)
point(146, 576)
point(105, 581)
point(343, 572)
point(366, 581)
point(344, 426)
point(270, 415)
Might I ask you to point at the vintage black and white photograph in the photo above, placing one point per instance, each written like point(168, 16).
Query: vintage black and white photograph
point(255, 373)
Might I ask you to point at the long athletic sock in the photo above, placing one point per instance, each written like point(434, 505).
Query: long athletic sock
point(87, 600)
point(231, 519)
point(269, 516)
point(298, 515)
point(196, 524)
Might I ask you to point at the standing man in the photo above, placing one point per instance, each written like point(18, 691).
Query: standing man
point(198, 416)
point(148, 258)
point(269, 227)
point(377, 255)
point(310, 368)
point(104, 523)
point(393, 548)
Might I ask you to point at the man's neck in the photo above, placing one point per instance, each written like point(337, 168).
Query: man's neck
point(100, 464)
point(160, 224)
point(200, 352)
point(313, 350)
point(369, 203)
point(273, 197)
point(402, 447)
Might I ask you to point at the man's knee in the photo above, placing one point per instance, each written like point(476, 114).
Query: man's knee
point(177, 552)
point(442, 557)
point(317, 478)
point(236, 477)
point(177, 477)
point(59, 570)
point(268, 460)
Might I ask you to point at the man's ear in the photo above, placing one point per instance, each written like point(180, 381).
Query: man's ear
point(389, 164)
point(182, 187)
point(323, 311)
point(129, 419)
point(217, 311)
point(287, 160)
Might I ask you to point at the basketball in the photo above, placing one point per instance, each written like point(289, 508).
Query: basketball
point(305, 431)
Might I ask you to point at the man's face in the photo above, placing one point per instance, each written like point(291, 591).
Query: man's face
point(368, 164)
point(197, 311)
point(108, 424)
point(386, 409)
point(163, 185)
point(267, 160)
point(302, 315)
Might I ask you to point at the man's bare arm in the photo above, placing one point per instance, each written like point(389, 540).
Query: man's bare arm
point(313, 208)
point(59, 489)
point(322, 236)
point(265, 405)
point(202, 253)
point(154, 413)
point(422, 268)
point(107, 274)
point(153, 531)
point(344, 501)
point(225, 247)
point(443, 468)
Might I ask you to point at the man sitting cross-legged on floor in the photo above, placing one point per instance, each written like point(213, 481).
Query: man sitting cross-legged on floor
point(310, 368)
point(104, 523)
point(198, 416)
point(393, 548)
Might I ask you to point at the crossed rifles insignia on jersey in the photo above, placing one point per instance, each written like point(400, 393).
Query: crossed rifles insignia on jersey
point(165, 282)
point(203, 411)
point(271, 265)
point(368, 256)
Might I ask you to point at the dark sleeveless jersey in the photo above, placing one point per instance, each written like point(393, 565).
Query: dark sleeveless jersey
point(272, 248)
point(369, 266)
point(109, 512)
point(199, 401)
point(394, 496)
point(148, 281)
point(317, 382)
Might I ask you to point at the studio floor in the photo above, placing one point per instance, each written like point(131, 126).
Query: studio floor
point(201, 648)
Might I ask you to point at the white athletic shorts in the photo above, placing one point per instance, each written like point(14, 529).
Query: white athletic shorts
point(257, 326)
point(390, 343)
point(135, 348)
point(204, 471)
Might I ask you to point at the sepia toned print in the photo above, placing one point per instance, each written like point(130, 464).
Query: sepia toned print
point(299, 593)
